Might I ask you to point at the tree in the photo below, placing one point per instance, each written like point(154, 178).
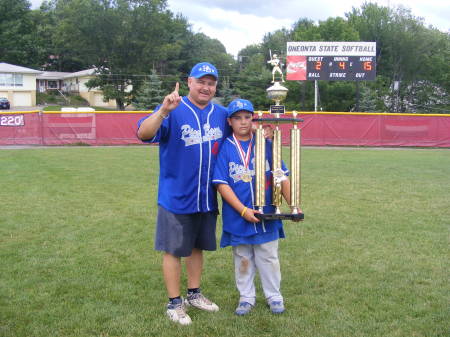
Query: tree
point(253, 81)
point(150, 94)
point(276, 42)
point(122, 39)
point(369, 101)
point(16, 33)
point(114, 85)
point(226, 92)
point(305, 30)
point(408, 54)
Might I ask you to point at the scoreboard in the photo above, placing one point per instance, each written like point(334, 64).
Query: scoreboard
point(331, 61)
point(340, 68)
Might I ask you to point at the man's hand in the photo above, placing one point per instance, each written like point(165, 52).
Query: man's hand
point(151, 125)
point(268, 131)
point(171, 101)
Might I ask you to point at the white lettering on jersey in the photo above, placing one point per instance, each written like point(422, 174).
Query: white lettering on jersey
point(211, 133)
point(236, 170)
point(192, 136)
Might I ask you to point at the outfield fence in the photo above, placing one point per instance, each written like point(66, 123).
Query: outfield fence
point(318, 128)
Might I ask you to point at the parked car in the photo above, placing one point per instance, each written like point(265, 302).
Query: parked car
point(4, 103)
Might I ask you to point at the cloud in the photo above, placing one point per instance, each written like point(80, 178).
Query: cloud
point(234, 28)
point(238, 23)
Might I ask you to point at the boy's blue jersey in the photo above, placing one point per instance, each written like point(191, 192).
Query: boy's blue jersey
point(189, 141)
point(229, 170)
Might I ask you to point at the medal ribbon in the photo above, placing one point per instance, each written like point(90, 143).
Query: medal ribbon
point(245, 157)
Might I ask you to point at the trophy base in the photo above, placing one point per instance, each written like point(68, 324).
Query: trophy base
point(281, 216)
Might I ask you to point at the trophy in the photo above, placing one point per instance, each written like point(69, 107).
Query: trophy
point(277, 93)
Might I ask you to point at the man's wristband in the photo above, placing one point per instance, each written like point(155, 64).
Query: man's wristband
point(243, 211)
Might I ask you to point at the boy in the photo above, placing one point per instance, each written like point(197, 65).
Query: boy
point(254, 242)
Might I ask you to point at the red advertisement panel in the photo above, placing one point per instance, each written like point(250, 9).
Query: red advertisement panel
point(296, 68)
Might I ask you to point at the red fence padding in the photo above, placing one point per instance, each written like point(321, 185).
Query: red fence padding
point(91, 128)
point(317, 129)
point(29, 133)
point(371, 130)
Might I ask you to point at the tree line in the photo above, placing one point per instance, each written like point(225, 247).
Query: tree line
point(143, 45)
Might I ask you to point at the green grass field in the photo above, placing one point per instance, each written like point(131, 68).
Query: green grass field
point(370, 259)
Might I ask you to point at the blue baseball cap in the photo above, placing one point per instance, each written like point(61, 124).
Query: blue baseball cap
point(203, 69)
point(239, 104)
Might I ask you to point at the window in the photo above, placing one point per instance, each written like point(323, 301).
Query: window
point(52, 85)
point(11, 80)
point(18, 80)
point(3, 79)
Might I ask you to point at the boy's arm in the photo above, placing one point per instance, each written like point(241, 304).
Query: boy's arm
point(286, 190)
point(230, 197)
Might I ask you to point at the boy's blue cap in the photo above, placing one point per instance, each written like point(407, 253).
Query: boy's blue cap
point(203, 69)
point(239, 104)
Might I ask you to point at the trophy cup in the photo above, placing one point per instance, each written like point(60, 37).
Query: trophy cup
point(277, 93)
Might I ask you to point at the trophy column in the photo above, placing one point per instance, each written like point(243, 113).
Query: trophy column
point(295, 167)
point(277, 171)
point(260, 166)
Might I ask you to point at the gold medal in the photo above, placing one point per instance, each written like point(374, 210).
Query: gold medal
point(246, 177)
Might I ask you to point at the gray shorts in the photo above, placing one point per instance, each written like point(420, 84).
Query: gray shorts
point(178, 234)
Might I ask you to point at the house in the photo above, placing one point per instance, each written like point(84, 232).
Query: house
point(76, 83)
point(18, 84)
point(50, 80)
point(73, 83)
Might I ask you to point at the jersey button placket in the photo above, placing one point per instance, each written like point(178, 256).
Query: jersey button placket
point(204, 178)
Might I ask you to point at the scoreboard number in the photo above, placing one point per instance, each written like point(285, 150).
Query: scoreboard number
point(367, 65)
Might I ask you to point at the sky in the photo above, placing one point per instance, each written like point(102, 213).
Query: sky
point(239, 23)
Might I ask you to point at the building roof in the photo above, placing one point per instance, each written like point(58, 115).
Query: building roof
point(87, 72)
point(45, 75)
point(52, 75)
point(11, 68)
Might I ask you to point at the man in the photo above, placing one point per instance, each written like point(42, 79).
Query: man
point(189, 131)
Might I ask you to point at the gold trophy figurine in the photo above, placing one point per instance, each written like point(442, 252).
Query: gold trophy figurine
point(276, 63)
point(277, 93)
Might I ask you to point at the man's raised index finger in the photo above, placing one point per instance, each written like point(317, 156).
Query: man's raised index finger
point(177, 87)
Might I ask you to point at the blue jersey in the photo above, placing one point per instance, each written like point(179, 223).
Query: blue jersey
point(230, 170)
point(189, 141)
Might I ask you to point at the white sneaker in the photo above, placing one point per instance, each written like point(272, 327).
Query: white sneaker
point(277, 307)
point(177, 313)
point(201, 302)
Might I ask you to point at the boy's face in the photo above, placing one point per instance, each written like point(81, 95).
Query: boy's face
point(241, 123)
